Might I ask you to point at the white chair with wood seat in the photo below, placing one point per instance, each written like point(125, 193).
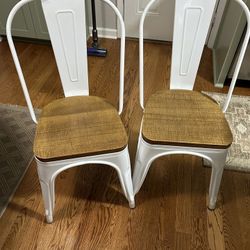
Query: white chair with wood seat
point(179, 121)
point(78, 129)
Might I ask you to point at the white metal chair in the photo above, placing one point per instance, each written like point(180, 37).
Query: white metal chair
point(78, 129)
point(178, 121)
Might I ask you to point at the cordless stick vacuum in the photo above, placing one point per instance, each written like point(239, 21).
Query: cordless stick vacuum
point(95, 50)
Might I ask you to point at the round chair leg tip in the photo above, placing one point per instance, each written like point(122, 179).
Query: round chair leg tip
point(132, 204)
point(211, 207)
point(49, 219)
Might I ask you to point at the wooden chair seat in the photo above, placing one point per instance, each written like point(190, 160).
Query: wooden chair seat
point(78, 126)
point(185, 118)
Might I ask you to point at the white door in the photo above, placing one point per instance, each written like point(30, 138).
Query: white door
point(158, 23)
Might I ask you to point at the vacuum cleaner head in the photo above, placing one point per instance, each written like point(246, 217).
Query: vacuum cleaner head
point(93, 51)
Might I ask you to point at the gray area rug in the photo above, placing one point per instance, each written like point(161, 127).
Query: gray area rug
point(238, 117)
point(16, 141)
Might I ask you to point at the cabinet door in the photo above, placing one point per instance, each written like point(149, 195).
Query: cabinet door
point(39, 20)
point(22, 25)
point(227, 40)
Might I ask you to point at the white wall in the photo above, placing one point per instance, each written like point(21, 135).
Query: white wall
point(106, 18)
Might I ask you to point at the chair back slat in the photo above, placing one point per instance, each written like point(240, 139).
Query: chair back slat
point(192, 19)
point(191, 25)
point(67, 29)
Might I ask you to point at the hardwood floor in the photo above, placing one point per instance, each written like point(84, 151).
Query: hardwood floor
point(91, 212)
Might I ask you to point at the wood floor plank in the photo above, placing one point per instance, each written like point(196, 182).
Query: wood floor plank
point(242, 185)
point(91, 211)
point(183, 241)
point(233, 237)
point(184, 199)
point(215, 229)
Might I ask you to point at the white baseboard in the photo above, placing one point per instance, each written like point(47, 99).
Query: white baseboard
point(105, 32)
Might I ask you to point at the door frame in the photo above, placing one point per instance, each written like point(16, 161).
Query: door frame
point(218, 14)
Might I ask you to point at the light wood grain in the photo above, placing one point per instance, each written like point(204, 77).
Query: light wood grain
point(91, 211)
point(185, 118)
point(78, 126)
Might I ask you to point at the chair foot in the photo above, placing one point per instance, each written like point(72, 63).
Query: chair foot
point(49, 219)
point(211, 206)
point(132, 204)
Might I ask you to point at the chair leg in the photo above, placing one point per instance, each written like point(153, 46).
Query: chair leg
point(52, 193)
point(216, 176)
point(126, 181)
point(48, 191)
point(47, 201)
point(47, 173)
point(143, 161)
point(124, 173)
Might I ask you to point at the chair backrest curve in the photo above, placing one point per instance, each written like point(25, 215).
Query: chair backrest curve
point(18, 6)
point(66, 24)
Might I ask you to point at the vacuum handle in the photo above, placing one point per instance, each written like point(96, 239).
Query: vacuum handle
point(94, 30)
point(93, 14)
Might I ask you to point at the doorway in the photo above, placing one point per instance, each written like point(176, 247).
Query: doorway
point(159, 22)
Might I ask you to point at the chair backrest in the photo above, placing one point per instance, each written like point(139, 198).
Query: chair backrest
point(66, 25)
point(67, 29)
point(238, 64)
point(191, 24)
